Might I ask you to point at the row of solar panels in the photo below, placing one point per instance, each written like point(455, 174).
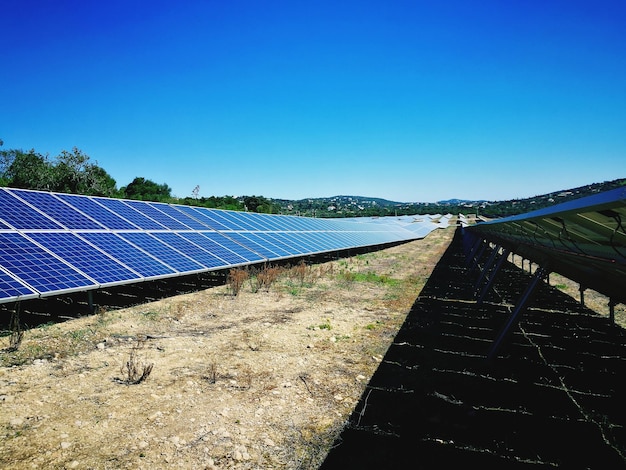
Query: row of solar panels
point(59, 243)
point(583, 239)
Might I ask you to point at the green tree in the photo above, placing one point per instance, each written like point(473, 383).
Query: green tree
point(75, 173)
point(27, 170)
point(147, 190)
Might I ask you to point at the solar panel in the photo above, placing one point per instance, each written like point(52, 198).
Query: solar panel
point(88, 259)
point(134, 216)
point(20, 215)
point(38, 268)
point(186, 246)
point(56, 209)
point(53, 243)
point(204, 216)
point(12, 289)
point(97, 212)
point(129, 255)
point(163, 252)
point(155, 214)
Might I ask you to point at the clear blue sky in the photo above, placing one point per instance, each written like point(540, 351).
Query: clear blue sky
point(404, 100)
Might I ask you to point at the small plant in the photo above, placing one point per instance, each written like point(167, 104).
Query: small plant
point(212, 372)
point(236, 279)
point(322, 326)
point(266, 277)
point(300, 272)
point(17, 335)
point(135, 370)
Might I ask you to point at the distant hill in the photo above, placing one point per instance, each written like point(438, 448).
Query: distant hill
point(351, 206)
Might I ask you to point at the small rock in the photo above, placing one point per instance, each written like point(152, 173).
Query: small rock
point(360, 377)
point(65, 445)
point(142, 444)
point(16, 422)
point(238, 456)
point(268, 442)
point(73, 464)
point(338, 397)
point(100, 345)
point(333, 339)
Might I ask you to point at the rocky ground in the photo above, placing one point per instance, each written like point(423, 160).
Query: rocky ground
point(263, 379)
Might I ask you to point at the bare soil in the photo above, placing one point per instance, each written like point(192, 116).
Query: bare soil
point(264, 379)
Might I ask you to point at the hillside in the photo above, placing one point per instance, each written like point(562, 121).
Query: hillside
point(351, 206)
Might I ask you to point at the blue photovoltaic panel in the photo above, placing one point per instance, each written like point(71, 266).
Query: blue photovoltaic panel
point(97, 212)
point(263, 241)
point(229, 243)
point(240, 219)
point(180, 216)
point(288, 249)
point(58, 210)
point(289, 239)
point(10, 288)
point(217, 249)
point(204, 216)
point(36, 267)
point(21, 216)
point(130, 214)
point(190, 249)
point(225, 218)
point(83, 256)
point(162, 252)
point(244, 239)
point(160, 217)
point(260, 222)
point(128, 254)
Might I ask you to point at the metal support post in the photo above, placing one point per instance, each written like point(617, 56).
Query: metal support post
point(487, 266)
point(90, 301)
point(475, 247)
point(612, 311)
point(479, 255)
point(520, 307)
point(492, 276)
point(582, 295)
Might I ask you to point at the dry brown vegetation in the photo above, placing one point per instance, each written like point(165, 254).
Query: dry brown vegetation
point(261, 372)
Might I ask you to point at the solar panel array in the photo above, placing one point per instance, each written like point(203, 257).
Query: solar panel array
point(53, 243)
point(583, 239)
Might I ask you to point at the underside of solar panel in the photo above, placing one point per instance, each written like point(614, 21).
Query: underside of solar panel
point(53, 243)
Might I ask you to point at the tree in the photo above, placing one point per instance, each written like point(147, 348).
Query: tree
point(74, 173)
point(27, 170)
point(147, 190)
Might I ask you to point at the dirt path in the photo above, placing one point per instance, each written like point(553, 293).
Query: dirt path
point(262, 380)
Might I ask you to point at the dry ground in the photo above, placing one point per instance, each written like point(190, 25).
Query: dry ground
point(260, 380)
